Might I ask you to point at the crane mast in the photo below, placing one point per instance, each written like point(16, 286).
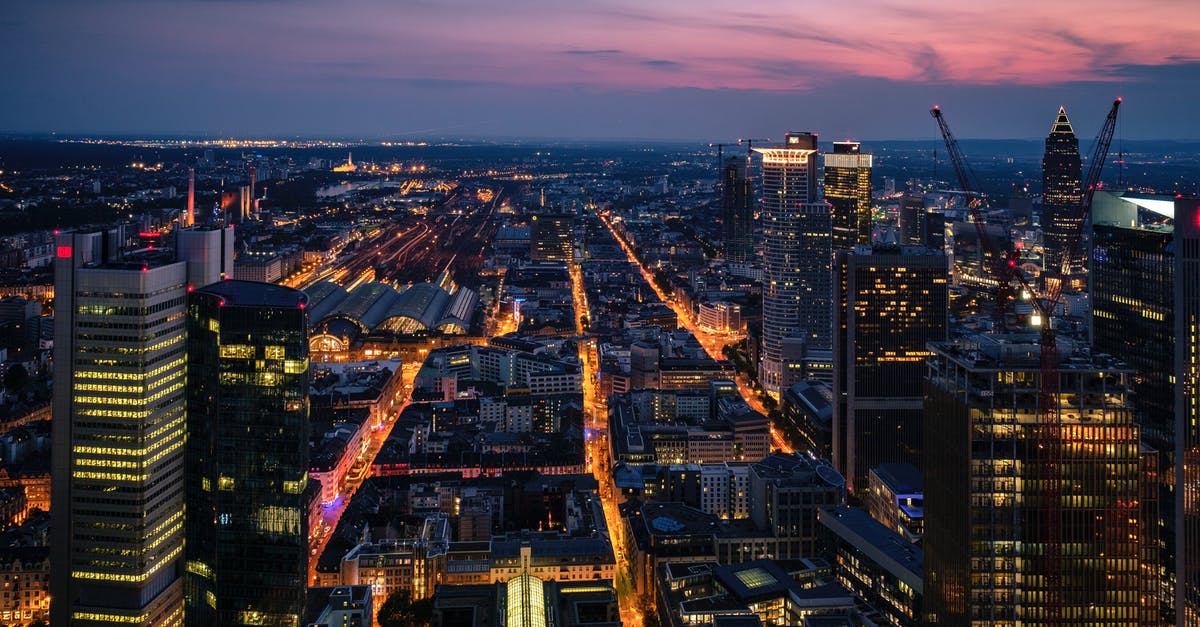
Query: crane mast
point(1006, 267)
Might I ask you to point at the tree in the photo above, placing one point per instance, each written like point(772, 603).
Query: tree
point(16, 378)
point(401, 611)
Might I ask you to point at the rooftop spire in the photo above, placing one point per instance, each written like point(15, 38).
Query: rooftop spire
point(1062, 126)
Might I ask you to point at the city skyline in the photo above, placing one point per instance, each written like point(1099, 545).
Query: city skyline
point(603, 70)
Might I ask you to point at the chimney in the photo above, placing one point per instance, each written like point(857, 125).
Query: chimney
point(191, 201)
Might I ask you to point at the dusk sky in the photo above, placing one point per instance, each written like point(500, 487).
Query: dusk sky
point(700, 70)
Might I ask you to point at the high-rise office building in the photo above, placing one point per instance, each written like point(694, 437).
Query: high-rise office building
point(551, 237)
point(1030, 520)
point(737, 211)
point(118, 434)
point(247, 455)
point(1061, 174)
point(796, 256)
point(848, 191)
point(891, 303)
point(1187, 410)
point(1132, 277)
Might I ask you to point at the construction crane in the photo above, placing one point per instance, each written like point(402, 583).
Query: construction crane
point(1005, 260)
point(720, 164)
point(1049, 426)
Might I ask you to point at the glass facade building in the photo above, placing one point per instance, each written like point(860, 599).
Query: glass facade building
point(797, 252)
point(1030, 522)
point(1061, 173)
point(848, 192)
point(551, 237)
point(117, 464)
point(1187, 409)
point(117, 484)
point(247, 455)
point(891, 303)
point(737, 211)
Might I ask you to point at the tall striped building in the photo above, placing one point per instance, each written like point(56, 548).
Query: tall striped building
point(120, 357)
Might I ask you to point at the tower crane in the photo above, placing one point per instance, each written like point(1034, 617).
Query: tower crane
point(720, 163)
point(1049, 427)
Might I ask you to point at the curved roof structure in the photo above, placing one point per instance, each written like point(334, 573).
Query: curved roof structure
point(322, 299)
point(377, 306)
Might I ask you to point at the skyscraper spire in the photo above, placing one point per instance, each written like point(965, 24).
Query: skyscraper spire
point(1062, 125)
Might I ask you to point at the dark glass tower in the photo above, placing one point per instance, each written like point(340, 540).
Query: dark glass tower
point(1187, 409)
point(551, 237)
point(1133, 319)
point(1022, 527)
point(848, 191)
point(1061, 172)
point(737, 211)
point(891, 303)
point(247, 455)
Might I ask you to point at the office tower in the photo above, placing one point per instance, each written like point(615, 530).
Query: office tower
point(1132, 277)
point(737, 211)
point(796, 255)
point(1187, 409)
point(1061, 172)
point(909, 220)
point(247, 455)
point(1032, 517)
point(891, 302)
point(848, 191)
point(118, 435)
point(551, 237)
point(931, 229)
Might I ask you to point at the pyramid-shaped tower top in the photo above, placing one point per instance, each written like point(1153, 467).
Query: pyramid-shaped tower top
point(1062, 126)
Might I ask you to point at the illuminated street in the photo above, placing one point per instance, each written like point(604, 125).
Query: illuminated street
point(361, 469)
point(712, 342)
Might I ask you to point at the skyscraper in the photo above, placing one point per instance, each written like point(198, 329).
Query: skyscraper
point(118, 533)
point(1027, 520)
point(848, 191)
point(737, 211)
point(551, 237)
point(1187, 409)
point(247, 455)
point(1133, 319)
point(1061, 172)
point(118, 434)
point(891, 303)
point(796, 255)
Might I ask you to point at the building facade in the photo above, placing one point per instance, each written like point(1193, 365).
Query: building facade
point(247, 453)
point(796, 255)
point(891, 303)
point(1187, 409)
point(1032, 517)
point(737, 211)
point(117, 454)
point(1061, 175)
point(848, 192)
point(551, 237)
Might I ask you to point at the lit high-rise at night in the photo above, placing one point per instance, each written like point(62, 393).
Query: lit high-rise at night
point(796, 256)
point(737, 211)
point(1030, 521)
point(891, 303)
point(247, 455)
point(118, 465)
point(1187, 410)
point(1061, 172)
point(848, 192)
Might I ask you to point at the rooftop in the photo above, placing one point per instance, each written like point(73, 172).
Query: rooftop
point(254, 294)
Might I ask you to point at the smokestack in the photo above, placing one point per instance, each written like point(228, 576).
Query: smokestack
point(252, 184)
point(191, 203)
